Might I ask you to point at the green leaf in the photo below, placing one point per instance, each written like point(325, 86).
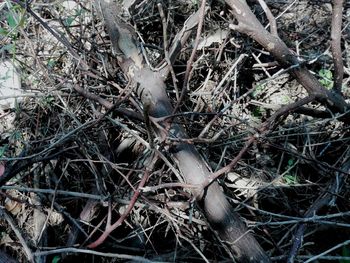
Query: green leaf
point(258, 89)
point(290, 179)
point(69, 20)
point(56, 259)
point(325, 73)
point(12, 20)
point(326, 78)
point(285, 99)
point(2, 151)
point(3, 32)
point(51, 63)
point(258, 112)
point(16, 136)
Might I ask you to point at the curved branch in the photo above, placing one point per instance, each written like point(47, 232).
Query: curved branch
point(217, 209)
point(248, 24)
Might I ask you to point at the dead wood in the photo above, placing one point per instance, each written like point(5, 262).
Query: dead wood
point(262, 150)
point(152, 92)
point(337, 15)
point(327, 198)
point(249, 24)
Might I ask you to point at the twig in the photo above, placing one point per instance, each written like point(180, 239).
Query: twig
point(166, 49)
point(62, 39)
point(22, 162)
point(51, 191)
point(167, 185)
point(270, 17)
point(92, 252)
point(323, 200)
point(293, 219)
point(111, 227)
point(250, 25)
point(335, 45)
point(329, 258)
point(57, 143)
point(218, 211)
point(85, 93)
point(228, 73)
point(190, 61)
point(108, 105)
point(195, 248)
point(265, 127)
point(126, 128)
point(27, 250)
point(345, 243)
point(181, 38)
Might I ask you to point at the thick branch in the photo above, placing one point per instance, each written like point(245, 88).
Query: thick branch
point(218, 211)
point(335, 45)
point(250, 25)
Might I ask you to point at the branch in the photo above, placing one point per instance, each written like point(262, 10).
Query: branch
point(111, 227)
point(248, 24)
point(325, 199)
point(335, 45)
point(190, 61)
point(221, 216)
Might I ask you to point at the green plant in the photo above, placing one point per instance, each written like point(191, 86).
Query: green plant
point(69, 20)
point(286, 99)
point(16, 136)
point(51, 63)
point(258, 112)
point(56, 259)
point(326, 78)
point(257, 91)
point(290, 177)
point(2, 150)
point(195, 3)
point(46, 102)
point(15, 18)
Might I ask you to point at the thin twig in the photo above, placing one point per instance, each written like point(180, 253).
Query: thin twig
point(270, 17)
point(52, 191)
point(26, 248)
point(111, 227)
point(265, 127)
point(166, 49)
point(190, 61)
point(92, 252)
point(323, 200)
point(345, 243)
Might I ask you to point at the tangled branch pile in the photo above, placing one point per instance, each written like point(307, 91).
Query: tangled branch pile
point(176, 131)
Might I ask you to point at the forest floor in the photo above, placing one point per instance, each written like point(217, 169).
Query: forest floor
point(74, 163)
